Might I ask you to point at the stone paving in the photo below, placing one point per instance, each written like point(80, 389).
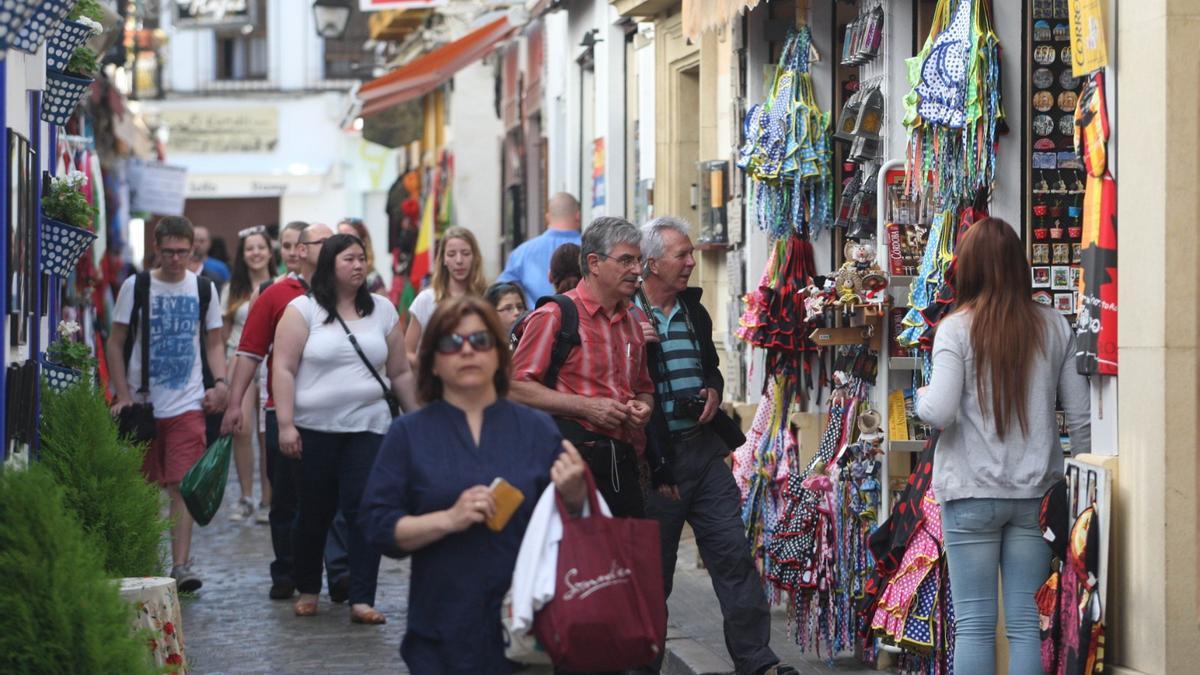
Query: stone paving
point(230, 626)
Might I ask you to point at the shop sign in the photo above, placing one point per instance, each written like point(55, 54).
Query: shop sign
point(1089, 52)
point(213, 13)
point(223, 130)
point(156, 188)
point(212, 186)
point(380, 5)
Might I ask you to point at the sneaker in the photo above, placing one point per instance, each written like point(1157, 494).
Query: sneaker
point(243, 509)
point(263, 516)
point(185, 579)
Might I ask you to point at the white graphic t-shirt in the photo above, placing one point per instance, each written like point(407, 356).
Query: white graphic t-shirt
point(176, 382)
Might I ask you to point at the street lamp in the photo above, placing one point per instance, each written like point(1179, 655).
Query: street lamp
point(331, 17)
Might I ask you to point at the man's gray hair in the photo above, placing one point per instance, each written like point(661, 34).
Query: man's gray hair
point(653, 245)
point(603, 235)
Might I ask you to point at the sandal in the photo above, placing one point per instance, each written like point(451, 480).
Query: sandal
point(305, 607)
point(369, 616)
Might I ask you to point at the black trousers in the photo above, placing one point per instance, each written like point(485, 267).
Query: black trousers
point(284, 474)
point(709, 501)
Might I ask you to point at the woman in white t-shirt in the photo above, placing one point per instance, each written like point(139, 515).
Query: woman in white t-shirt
point(251, 268)
point(332, 411)
point(458, 272)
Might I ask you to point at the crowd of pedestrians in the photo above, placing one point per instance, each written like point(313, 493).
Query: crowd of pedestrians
point(590, 353)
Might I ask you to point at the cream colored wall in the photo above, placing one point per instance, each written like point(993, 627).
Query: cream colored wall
point(1154, 584)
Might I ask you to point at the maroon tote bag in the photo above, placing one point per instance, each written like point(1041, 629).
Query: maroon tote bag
point(608, 611)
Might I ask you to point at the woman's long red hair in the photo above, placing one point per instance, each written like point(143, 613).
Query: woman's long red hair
point(992, 279)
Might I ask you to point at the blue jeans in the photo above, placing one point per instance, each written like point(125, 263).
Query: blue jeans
point(983, 536)
point(333, 475)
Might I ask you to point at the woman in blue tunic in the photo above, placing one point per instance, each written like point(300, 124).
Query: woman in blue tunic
point(428, 494)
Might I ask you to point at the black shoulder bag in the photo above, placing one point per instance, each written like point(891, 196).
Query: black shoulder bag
point(392, 401)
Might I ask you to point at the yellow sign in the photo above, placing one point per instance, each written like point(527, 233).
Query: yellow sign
point(1089, 52)
point(897, 419)
point(222, 130)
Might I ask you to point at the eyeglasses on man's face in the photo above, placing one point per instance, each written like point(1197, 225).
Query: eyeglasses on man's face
point(174, 252)
point(314, 242)
point(627, 261)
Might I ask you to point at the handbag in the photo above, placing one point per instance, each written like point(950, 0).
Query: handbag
point(203, 485)
point(392, 402)
point(609, 611)
point(136, 422)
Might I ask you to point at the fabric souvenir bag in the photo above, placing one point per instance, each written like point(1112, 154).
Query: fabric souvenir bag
point(609, 611)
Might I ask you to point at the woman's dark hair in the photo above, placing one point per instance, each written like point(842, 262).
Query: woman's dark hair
point(324, 281)
point(240, 288)
point(496, 292)
point(992, 279)
point(450, 312)
point(564, 268)
point(217, 250)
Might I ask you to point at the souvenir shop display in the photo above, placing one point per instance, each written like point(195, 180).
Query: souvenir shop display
point(786, 151)
point(863, 35)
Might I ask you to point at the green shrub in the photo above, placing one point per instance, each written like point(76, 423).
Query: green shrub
point(101, 477)
point(59, 611)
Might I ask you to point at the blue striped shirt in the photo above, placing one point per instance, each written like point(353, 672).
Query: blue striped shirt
point(684, 373)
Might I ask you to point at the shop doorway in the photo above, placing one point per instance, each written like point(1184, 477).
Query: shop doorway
point(685, 146)
point(225, 217)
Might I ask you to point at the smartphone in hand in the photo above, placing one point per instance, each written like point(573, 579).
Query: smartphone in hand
point(508, 500)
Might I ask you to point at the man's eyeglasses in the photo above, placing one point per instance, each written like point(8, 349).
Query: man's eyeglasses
point(314, 242)
point(257, 229)
point(626, 261)
point(174, 252)
point(480, 341)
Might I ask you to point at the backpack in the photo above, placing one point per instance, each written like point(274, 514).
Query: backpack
point(139, 318)
point(564, 341)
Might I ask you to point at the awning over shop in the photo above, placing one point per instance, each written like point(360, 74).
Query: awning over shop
point(703, 15)
point(423, 74)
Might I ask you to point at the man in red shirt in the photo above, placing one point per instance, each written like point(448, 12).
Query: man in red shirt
point(603, 397)
point(255, 345)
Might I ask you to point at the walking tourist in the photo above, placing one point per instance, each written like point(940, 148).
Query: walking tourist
point(602, 396)
point(204, 265)
point(529, 263)
point(333, 349)
point(458, 271)
point(186, 333)
point(999, 363)
point(698, 435)
point(300, 245)
point(432, 505)
point(508, 301)
point(251, 269)
point(358, 228)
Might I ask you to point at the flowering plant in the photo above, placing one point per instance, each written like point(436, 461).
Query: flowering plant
point(65, 201)
point(87, 9)
point(84, 60)
point(66, 351)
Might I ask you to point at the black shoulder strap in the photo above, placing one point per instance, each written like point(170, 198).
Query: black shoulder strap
point(204, 287)
point(566, 339)
point(139, 320)
point(367, 362)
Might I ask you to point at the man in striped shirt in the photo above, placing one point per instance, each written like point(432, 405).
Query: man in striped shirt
point(697, 436)
point(603, 397)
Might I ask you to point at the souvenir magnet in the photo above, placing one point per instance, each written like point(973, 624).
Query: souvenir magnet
point(1043, 101)
point(1041, 255)
point(1041, 277)
point(1076, 276)
point(1045, 160)
point(1062, 32)
point(1044, 298)
point(1044, 55)
point(1043, 125)
point(1060, 254)
point(1066, 80)
point(1067, 100)
point(1076, 253)
point(1066, 125)
point(1064, 302)
point(1041, 31)
point(1043, 78)
point(1065, 55)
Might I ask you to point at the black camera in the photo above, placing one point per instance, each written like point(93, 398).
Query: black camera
point(688, 408)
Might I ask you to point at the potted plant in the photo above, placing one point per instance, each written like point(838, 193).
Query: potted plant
point(70, 64)
point(46, 18)
point(66, 223)
point(14, 15)
point(67, 359)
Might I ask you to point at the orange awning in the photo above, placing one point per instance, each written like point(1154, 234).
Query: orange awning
point(425, 73)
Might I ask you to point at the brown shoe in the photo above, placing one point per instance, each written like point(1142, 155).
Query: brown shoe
point(369, 616)
point(305, 606)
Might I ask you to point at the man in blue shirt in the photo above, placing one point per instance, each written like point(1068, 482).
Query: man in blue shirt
point(212, 268)
point(529, 264)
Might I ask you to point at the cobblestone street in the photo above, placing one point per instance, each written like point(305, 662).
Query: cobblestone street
point(230, 626)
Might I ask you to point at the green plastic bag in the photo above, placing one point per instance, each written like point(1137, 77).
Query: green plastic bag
point(204, 485)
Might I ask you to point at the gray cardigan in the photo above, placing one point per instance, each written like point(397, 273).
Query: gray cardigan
point(970, 460)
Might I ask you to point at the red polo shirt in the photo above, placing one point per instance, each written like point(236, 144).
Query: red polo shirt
point(610, 362)
point(259, 332)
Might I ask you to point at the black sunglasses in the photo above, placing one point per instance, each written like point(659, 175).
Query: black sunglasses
point(481, 341)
